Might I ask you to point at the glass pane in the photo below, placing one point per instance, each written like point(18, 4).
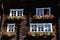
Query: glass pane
point(19, 13)
point(40, 28)
point(13, 13)
point(11, 28)
point(48, 28)
point(39, 12)
point(46, 11)
point(34, 27)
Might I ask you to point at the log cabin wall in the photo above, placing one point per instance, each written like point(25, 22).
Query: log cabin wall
point(29, 12)
point(59, 28)
point(21, 27)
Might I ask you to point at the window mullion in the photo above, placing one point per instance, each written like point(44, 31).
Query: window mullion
point(51, 27)
point(13, 13)
point(49, 11)
point(42, 11)
point(30, 28)
point(16, 13)
point(7, 28)
point(22, 12)
point(14, 28)
point(44, 27)
point(37, 28)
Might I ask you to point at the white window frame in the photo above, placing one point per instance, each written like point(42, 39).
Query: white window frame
point(16, 11)
point(43, 11)
point(31, 28)
point(43, 27)
point(9, 28)
point(50, 26)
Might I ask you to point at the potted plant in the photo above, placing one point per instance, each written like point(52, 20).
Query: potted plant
point(35, 17)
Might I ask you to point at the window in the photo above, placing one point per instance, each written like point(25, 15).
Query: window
point(16, 12)
point(42, 11)
point(39, 11)
point(10, 27)
point(41, 27)
point(46, 11)
point(19, 13)
point(33, 27)
point(48, 28)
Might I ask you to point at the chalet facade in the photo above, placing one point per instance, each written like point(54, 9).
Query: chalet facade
point(18, 19)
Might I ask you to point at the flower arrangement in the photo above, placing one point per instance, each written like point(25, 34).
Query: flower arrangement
point(9, 33)
point(37, 34)
point(15, 17)
point(43, 17)
point(36, 17)
point(7, 17)
point(53, 34)
point(30, 33)
point(22, 17)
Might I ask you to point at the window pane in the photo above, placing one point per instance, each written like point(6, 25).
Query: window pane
point(46, 11)
point(40, 28)
point(13, 13)
point(34, 27)
point(11, 28)
point(19, 13)
point(48, 27)
point(39, 12)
